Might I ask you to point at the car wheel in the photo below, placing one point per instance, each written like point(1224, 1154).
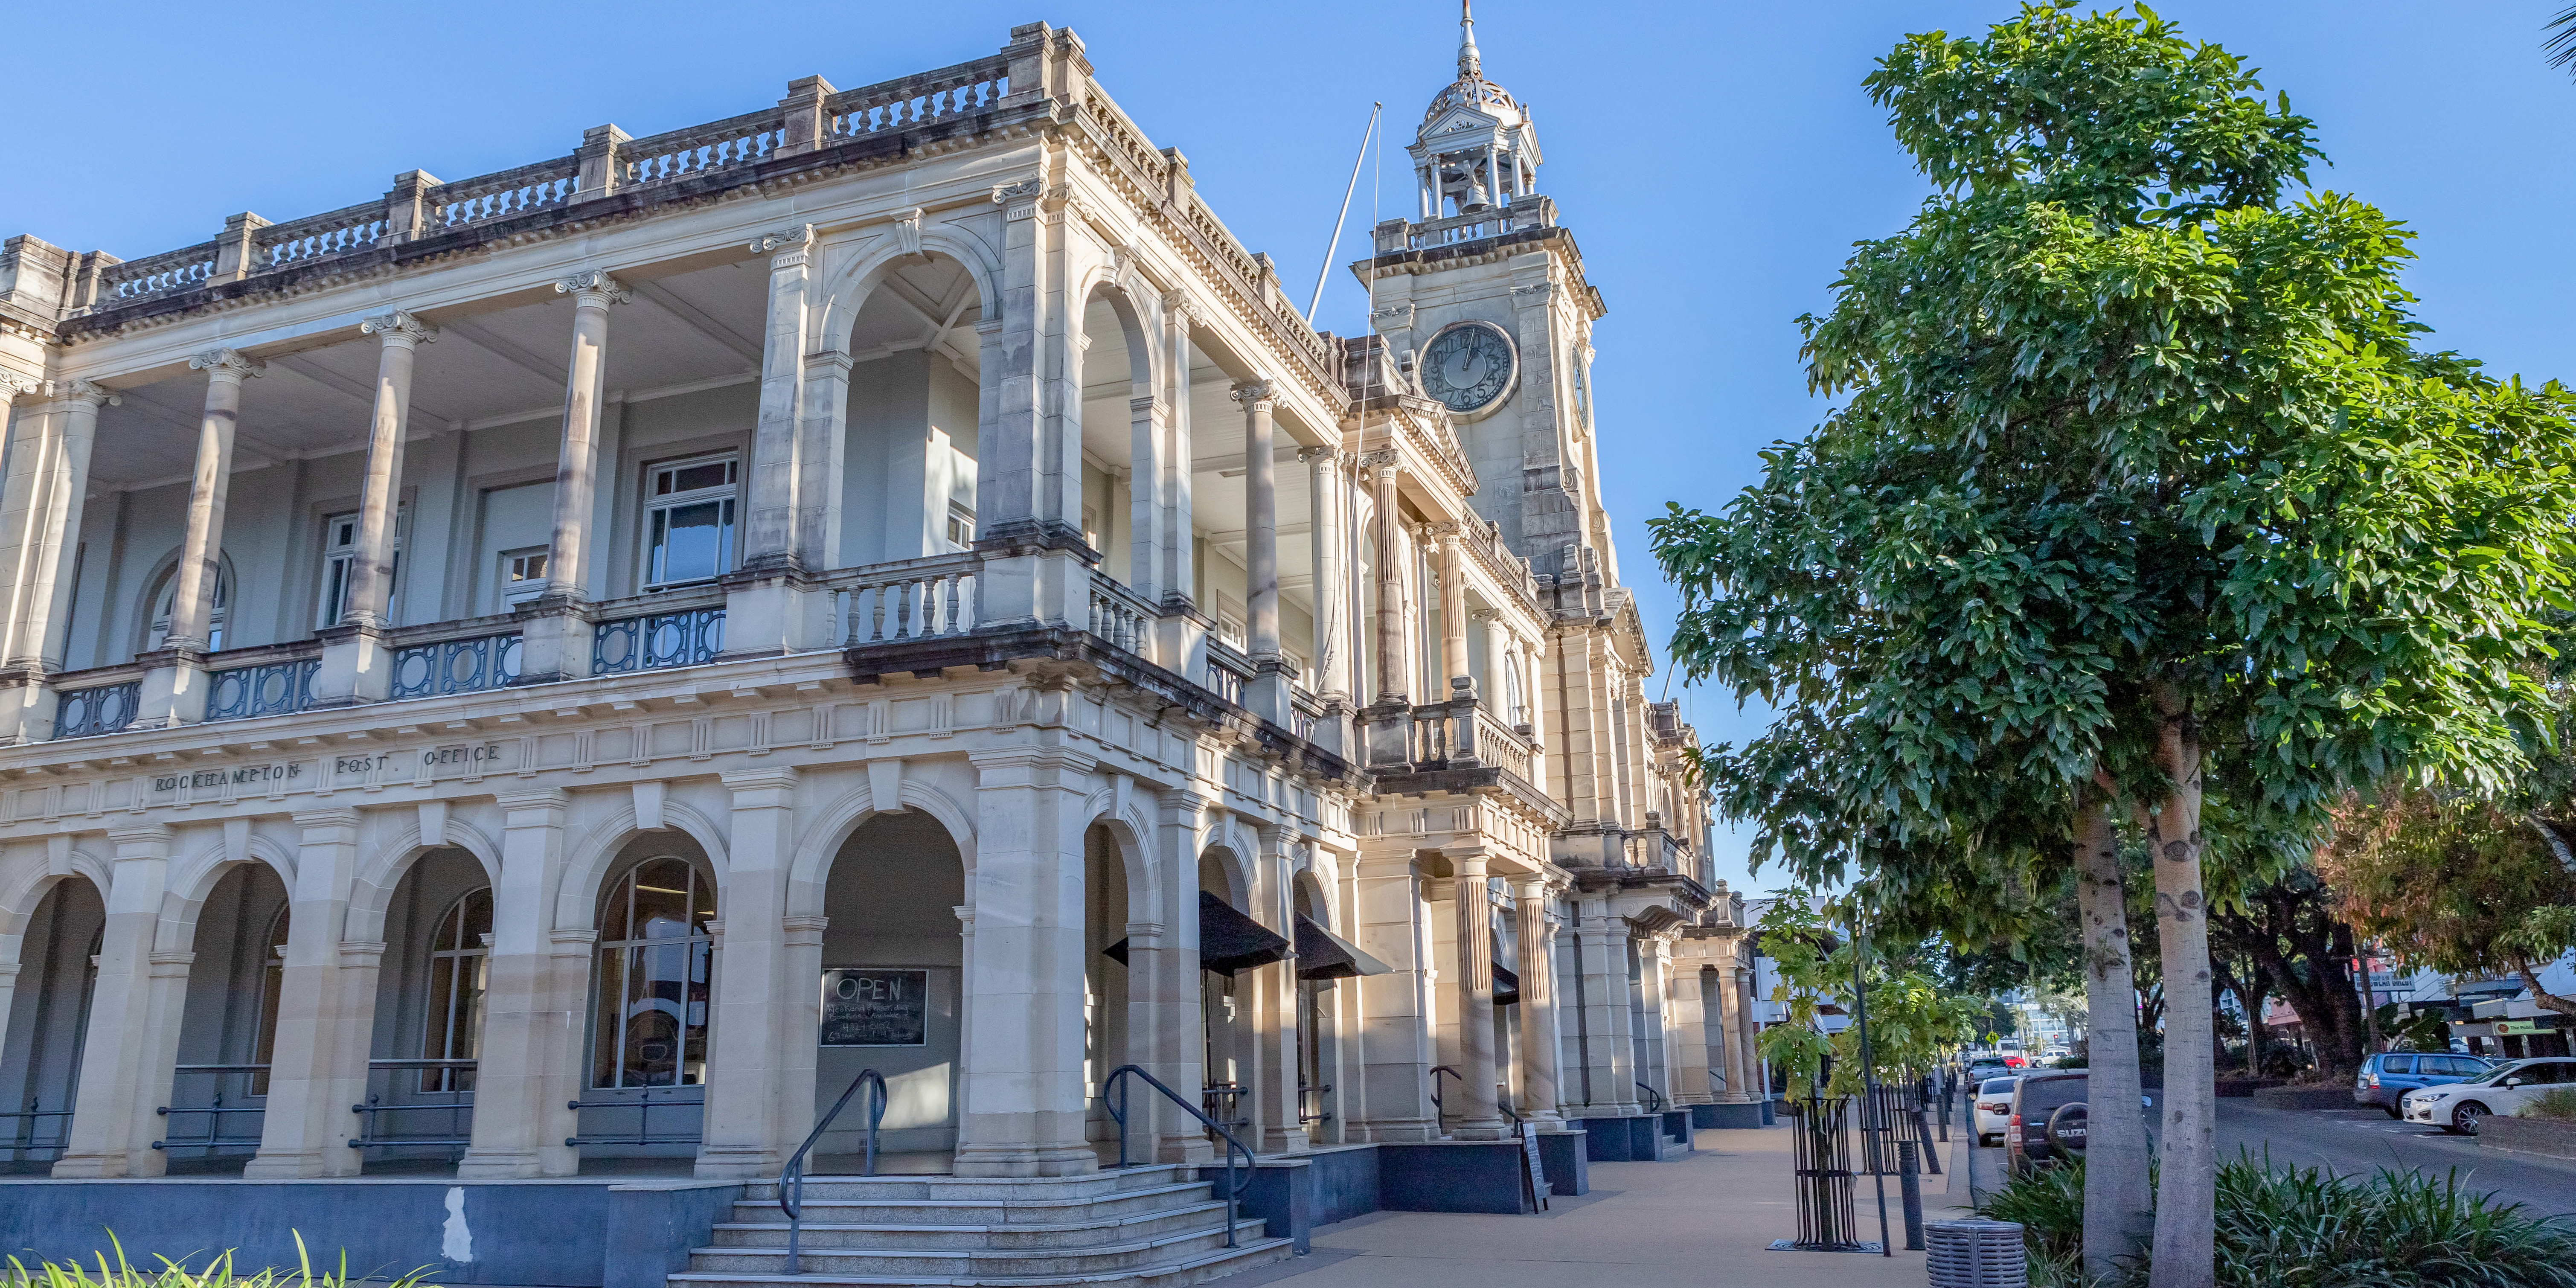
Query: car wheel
point(2393, 1110)
point(2466, 1117)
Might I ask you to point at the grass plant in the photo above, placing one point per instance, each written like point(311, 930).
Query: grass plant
point(218, 1272)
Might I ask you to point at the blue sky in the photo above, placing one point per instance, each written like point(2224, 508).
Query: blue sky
point(1716, 161)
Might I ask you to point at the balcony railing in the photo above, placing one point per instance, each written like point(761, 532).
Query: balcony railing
point(436, 662)
point(417, 1104)
point(1123, 617)
point(1458, 734)
point(266, 689)
point(1228, 671)
point(91, 710)
point(910, 600)
point(688, 631)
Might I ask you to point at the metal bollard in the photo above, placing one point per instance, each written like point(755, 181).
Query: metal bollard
point(1907, 1172)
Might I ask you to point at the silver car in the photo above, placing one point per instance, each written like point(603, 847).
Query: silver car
point(1994, 1108)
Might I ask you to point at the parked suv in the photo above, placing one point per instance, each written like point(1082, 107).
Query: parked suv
point(2037, 1095)
point(2384, 1080)
point(2460, 1106)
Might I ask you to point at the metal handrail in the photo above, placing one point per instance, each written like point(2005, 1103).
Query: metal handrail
point(1439, 1107)
point(215, 1113)
point(1118, 1110)
point(1654, 1099)
point(460, 1134)
point(791, 1178)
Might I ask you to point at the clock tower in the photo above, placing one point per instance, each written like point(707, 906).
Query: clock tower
point(1482, 300)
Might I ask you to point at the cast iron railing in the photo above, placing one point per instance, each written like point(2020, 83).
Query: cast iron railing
point(644, 1105)
point(1654, 1099)
point(106, 708)
point(214, 1114)
point(25, 1130)
point(459, 1108)
point(1117, 1107)
point(791, 1178)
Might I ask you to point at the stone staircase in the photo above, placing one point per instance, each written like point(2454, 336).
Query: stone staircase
point(1141, 1227)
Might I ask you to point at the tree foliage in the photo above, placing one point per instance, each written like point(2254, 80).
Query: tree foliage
point(2138, 482)
point(1914, 1022)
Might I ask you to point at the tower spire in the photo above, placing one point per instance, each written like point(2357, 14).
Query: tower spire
point(1469, 64)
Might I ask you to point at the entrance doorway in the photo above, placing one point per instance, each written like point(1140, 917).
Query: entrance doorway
point(892, 993)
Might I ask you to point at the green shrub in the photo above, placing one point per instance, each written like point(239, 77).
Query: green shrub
point(2557, 1106)
point(217, 1273)
point(2285, 1227)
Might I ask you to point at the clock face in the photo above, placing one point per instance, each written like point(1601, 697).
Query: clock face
point(1469, 366)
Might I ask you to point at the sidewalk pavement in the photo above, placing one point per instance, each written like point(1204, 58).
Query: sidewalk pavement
point(1702, 1221)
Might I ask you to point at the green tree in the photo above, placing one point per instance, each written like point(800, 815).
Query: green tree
point(2138, 488)
point(1914, 1023)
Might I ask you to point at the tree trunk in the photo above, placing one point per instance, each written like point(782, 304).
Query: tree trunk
point(2119, 1210)
point(2187, 1190)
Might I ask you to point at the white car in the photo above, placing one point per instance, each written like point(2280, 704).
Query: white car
point(1994, 1109)
point(2504, 1089)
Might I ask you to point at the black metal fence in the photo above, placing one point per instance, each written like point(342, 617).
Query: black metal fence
point(1822, 1139)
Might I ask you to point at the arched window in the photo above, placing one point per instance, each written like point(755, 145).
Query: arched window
point(164, 601)
point(452, 1023)
point(654, 956)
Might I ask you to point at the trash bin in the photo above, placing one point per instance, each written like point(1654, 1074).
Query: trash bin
point(1976, 1254)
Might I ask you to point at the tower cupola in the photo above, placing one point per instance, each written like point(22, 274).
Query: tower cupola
point(1477, 147)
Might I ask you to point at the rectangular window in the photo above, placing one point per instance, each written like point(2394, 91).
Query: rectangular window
point(961, 526)
point(340, 562)
point(523, 575)
point(689, 521)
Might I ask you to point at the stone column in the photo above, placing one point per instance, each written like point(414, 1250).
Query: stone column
point(126, 1057)
point(1654, 972)
point(1501, 659)
point(351, 1037)
point(1541, 1046)
point(307, 1128)
point(174, 689)
point(1614, 1054)
point(1687, 1026)
point(356, 666)
point(1268, 694)
point(1275, 1018)
point(1334, 638)
point(531, 1031)
point(49, 468)
point(1757, 1078)
point(1391, 666)
point(1395, 1008)
point(555, 630)
point(1025, 1094)
point(1181, 1034)
point(1479, 1118)
point(791, 530)
point(1029, 480)
point(1453, 609)
point(758, 1001)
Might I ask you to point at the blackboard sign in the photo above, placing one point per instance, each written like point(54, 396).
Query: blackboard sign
point(1534, 1184)
point(876, 1006)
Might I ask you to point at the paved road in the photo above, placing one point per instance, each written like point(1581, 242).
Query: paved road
point(2365, 1140)
point(2362, 1141)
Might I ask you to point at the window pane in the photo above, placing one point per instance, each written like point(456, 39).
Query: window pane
point(609, 1034)
point(2397, 1064)
point(661, 900)
point(710, 474)
point(478, 917)
point(689, 540)
point(652, 1056)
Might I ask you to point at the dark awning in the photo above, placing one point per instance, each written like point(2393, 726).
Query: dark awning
point(1321, 954)
point(1229, 941)
point(1507, 986)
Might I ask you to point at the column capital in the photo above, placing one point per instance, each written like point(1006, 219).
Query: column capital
point(593, 288)
point(337, 816)
point(399, 329)
point(1255, 394)
point(226, 364)
point(783, 241)
point(1382, 458)
point(1146, 405)
point(13, 385)
point(87, 393)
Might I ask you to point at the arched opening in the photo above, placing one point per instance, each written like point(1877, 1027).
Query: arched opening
point(1316, 1033)
point(1225, 1007)
point(418, 1112)
point(909, 468)
point(228, 1023)
point(40, 1053)
point(892, 996)
point(1106, 982)
point(651, 995)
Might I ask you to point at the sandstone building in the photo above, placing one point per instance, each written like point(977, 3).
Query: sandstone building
point(550, 674)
